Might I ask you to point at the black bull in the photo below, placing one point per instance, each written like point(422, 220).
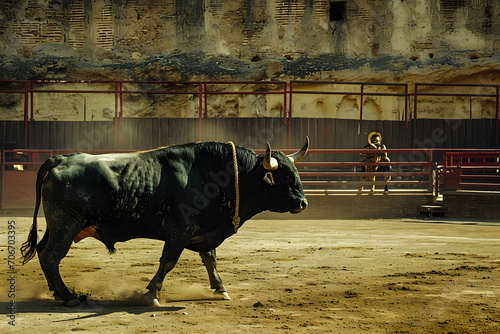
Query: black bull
point(188, 196)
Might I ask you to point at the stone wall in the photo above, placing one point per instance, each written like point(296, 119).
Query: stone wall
point(354, 40)
point(472, 204)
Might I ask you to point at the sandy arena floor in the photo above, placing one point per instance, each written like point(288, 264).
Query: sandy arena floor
point(288, 276)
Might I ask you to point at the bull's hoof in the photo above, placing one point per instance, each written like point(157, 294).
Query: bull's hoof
point(73, 302)
point(222, 295)
point(151, 300)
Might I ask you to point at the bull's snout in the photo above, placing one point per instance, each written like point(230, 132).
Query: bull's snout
point(301, 206)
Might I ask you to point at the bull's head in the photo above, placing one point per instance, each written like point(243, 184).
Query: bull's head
point(283, 181)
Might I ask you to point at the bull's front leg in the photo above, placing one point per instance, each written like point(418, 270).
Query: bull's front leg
point(210, 261)
point(168, 260)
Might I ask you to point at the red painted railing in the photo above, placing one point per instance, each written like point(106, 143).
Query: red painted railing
point(286, 89)
point(19, 169)
point(471, 170)
point(362, 92)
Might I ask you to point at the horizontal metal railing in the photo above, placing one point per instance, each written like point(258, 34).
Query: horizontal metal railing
point(21, 166)
point(471, 171)
point(362, 93)
point(340, 176)
point(290, 92)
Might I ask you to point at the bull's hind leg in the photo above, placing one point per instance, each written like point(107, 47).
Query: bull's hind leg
point(54, 247)
point(50, 258)
point(210, 261)
point(39, 249)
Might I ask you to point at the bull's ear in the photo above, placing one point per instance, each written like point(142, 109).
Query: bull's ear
point(269, 179)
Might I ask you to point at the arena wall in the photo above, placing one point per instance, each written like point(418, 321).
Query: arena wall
point(147, 133)
point(355, 40)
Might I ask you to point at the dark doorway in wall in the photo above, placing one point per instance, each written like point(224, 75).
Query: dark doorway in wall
point(338, 10)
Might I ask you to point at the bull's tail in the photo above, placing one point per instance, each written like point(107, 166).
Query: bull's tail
point(28, 249)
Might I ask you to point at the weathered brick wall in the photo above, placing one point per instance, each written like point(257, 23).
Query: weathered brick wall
point(355, 40)
point(256, 29)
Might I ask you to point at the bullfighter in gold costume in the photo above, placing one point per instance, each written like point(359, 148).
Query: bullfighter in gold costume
point(375, 143)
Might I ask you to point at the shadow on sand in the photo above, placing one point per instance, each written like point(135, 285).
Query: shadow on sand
point(89, 308)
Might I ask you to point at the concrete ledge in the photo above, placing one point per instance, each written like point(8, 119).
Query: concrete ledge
point(355, 206)
point(472, 204)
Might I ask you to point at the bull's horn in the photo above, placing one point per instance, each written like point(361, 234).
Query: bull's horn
point(270, 163)
point(297, 156)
